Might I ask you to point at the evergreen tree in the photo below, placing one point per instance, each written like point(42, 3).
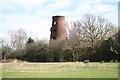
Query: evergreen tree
point(30, 40)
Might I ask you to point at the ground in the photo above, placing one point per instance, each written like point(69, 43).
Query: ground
point(59, 70)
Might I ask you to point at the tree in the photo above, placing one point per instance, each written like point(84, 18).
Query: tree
point(30, 40)
point(88, 34)
point(5, 50)
point(54, 47)
point(74, 40)
point(119, 35)
point(96, 28)
point(91, 30)
point(36, 52)
point(18, 39)
point(109, 47)
point(15, 43)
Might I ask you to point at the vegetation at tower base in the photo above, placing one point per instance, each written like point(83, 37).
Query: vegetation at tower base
point(93, 38)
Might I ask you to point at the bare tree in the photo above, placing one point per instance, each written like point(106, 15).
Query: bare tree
point(92, 29)
point(74, 39)
point(18, 39)
point(88, 32)
point(5, 49)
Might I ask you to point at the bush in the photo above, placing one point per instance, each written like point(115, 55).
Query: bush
point(115, 61)
point(111, 61)
point(86, 61)
point(102, 61)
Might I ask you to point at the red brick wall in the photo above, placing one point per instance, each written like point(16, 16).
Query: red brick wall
point(58, 29)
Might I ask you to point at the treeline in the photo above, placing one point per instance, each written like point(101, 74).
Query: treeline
point(93, 38)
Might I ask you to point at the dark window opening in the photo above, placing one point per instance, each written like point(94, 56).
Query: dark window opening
point(53, 30)
point(54, 38)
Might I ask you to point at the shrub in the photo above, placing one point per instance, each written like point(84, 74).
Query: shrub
point(115, 61)
point(111, 61)
point(102, 61)
point(86, 61)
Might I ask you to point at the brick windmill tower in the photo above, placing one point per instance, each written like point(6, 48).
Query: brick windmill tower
point(58, 29)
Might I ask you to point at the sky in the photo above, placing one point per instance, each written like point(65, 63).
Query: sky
point(35, 16)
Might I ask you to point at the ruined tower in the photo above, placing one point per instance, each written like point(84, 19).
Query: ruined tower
point(58, 29)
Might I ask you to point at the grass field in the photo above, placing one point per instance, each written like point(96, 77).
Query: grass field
point(60, 70)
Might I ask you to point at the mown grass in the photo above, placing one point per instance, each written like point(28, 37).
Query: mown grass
point(60, 70)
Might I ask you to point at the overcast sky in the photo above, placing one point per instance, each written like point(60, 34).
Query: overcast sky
point(35, 16)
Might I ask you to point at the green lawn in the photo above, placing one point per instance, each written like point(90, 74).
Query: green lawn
point(60, 70)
